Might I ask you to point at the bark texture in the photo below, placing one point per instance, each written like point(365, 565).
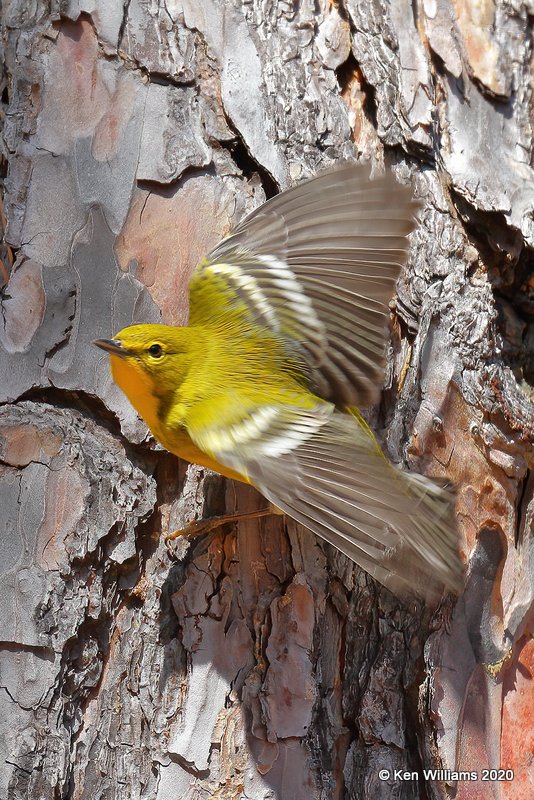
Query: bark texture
point(259, 664)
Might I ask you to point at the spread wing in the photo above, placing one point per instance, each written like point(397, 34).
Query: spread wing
point(324, 469)
point(316, 266)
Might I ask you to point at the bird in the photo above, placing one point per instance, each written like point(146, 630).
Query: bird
point(285, 344)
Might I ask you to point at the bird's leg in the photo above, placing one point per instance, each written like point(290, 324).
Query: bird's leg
point(199, 526)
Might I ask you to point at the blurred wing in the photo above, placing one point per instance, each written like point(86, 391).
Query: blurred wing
point(316, 266)
point(325, 470)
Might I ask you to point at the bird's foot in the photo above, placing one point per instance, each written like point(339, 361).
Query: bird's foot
point(198, 527)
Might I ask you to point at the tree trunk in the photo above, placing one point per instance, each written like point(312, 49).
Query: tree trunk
point(259, 663)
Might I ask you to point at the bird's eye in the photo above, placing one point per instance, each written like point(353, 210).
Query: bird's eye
point(155, 350)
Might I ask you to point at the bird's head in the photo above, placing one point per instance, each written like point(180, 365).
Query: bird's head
point(149, 361)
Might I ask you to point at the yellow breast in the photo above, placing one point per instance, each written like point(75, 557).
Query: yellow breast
point(137, 386)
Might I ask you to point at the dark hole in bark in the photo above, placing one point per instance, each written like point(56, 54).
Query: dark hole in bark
point(510, 269)
point(249, 166)
point(515, 307)
point(350, 71)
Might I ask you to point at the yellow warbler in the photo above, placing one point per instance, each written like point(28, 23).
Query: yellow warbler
point(285, 339)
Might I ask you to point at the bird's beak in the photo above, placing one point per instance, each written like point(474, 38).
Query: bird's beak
point(113, 346)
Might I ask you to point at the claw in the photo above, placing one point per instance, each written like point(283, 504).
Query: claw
point(197, 527)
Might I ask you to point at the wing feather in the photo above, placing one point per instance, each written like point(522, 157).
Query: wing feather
point(334, 479)
point(316, 266)
point(339, 485)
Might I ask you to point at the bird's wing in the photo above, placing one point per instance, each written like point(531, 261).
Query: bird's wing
point(325, 469)
point(316, 266)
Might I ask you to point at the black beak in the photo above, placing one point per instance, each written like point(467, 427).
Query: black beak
point(113, 346)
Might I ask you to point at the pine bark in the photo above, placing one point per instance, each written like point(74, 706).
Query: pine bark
point(259, 663)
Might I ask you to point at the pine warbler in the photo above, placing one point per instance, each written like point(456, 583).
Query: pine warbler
point(285, 341)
